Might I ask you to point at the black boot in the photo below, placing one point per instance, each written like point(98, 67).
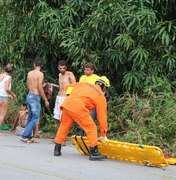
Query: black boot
point(95, 155)
point(57, 150)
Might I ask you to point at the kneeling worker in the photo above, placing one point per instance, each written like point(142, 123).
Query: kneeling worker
point(84, 97)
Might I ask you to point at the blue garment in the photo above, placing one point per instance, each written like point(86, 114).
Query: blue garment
point(3, 98)
point(34, 107)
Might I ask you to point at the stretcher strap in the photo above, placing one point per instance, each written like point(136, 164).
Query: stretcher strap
point(80, 146)
point(85, 145)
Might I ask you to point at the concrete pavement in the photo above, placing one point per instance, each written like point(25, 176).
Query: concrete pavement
point(36, 161)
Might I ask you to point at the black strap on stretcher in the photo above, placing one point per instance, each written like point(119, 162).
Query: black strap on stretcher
point(86, 153)
point(80, 145)
point(85, 145)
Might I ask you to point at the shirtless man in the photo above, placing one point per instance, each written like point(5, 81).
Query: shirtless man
point(34, 84)
point(65, 78)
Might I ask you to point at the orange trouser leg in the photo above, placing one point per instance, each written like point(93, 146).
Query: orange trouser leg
point(65, 125)
point(85, 122)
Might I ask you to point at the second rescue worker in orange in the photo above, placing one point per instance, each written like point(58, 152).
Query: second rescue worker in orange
point(83, 98)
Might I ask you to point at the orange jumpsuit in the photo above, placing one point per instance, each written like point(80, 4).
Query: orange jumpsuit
point(77, 107)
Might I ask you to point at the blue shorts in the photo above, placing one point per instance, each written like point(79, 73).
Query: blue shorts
point(3, 98)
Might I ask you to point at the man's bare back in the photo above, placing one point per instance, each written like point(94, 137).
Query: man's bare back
point(34, 83)
point(34, 80)
point(64, 80)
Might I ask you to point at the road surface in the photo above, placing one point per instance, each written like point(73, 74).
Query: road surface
point(36, 162)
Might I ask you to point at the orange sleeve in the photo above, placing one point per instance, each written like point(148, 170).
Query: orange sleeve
point(101, 109)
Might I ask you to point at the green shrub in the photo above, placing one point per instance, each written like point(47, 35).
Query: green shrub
point(13, 109)
point(149, 121)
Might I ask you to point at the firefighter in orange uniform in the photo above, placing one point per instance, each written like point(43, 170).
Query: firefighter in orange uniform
point(83, 98)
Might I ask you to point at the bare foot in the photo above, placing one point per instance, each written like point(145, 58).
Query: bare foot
point(36, 136)
point(24, 140)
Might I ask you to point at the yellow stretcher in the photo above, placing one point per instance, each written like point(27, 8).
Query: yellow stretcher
point(137, 153)
point(171, 161)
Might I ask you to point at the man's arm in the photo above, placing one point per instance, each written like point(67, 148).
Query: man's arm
point(28, 81)
point(54, 85)
point(50, 84)
point(41, 91)
point(72, 78)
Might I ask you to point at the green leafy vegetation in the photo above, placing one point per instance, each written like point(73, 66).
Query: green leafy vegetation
point(130, 41)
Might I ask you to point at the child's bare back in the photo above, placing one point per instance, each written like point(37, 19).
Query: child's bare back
point(22, 118)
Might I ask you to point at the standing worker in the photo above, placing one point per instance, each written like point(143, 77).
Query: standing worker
point(84, 97)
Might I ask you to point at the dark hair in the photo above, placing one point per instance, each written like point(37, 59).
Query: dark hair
point(89, 65)
point(8, 68)
point(62, 63)
point(24, 104)
point(37, 61)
